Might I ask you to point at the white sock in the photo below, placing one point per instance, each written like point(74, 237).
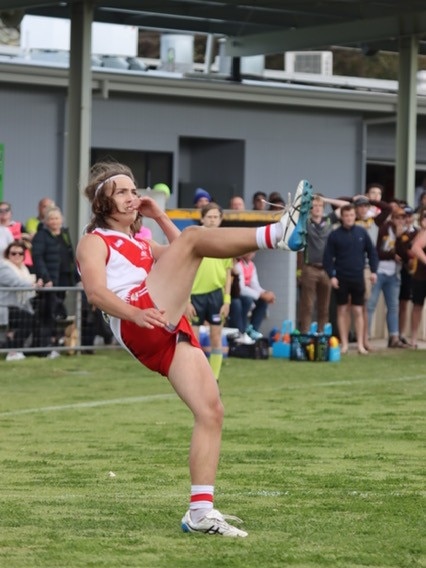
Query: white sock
point(201, 501)
point(268, 236)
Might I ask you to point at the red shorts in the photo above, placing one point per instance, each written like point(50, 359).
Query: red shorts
point(154, 348)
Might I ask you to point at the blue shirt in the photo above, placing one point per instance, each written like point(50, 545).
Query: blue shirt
point(344, 255)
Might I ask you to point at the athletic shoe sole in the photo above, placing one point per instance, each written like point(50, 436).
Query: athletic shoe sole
point(294, 222)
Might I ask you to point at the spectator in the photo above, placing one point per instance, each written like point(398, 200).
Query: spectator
point(252, 298)
point(163, 188)
point(201, 198)
point(143, 233)
point(54, 264)
point(388, 275)
point(405, 291)
point(16, 311)
point(419, 192)
point(236, 203)
point(33, 224)
point(211, 292)
point(421, 205)
point(6, 238)
point(370, 214)
point(315, 286)
point(16, 228)
point(259, 201)
point(374, 193)
point(276, 201)
point(344, 259)
point(416, 271)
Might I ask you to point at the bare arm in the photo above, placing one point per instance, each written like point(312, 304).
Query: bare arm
point(149, 208)
point(419, 243)
point(91, 256)
point(335, 202)
point(224, 310)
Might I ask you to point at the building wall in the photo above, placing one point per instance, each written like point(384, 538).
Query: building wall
point(32, 131)
point(382, 142)
point(281, 147)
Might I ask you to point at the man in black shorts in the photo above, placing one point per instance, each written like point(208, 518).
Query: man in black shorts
point(344, 261)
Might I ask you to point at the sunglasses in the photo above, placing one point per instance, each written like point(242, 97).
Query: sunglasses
point(16, 253)
point(4, 210)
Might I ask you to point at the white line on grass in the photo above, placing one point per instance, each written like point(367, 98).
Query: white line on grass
point(128, 400)
point(349, 383)
point(136, 399)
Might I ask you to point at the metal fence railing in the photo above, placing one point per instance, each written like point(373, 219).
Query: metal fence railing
point(54, 319)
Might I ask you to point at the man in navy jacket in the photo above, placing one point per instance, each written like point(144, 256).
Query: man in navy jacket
point(344, 261)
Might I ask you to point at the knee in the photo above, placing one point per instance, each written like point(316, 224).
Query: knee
point(189, 233)
point(218, 412)
point(213, 414)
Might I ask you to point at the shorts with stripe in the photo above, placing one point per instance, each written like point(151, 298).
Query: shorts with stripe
point(154, 348)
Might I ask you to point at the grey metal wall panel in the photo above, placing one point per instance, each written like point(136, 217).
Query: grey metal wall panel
point(281, 147)
point(381, 146)
point(32, 130)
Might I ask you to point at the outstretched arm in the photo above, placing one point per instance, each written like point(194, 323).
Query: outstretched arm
point(335, 202)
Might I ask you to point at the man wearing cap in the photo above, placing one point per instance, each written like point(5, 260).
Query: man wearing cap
point(201, 198)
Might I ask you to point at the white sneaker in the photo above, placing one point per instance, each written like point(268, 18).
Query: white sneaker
point(295, 219)
point(53, 355)
point(213, 523)
point(244, 339)
point(15, 356)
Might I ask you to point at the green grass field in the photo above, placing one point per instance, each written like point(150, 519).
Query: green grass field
point(324, 462)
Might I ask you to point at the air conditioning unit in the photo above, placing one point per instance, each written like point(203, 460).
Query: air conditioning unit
point(317, 62)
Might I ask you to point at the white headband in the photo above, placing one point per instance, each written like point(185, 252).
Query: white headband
point(100, 185)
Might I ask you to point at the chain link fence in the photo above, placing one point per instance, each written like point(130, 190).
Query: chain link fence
point(55, 320)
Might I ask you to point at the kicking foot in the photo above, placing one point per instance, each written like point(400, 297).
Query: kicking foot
point(362, 351)
point(295, 219)
point(213, 523)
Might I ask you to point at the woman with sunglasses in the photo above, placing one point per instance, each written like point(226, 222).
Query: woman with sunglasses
point(15, 305)
point(16, 228)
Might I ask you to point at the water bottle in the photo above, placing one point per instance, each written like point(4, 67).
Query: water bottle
point(313, 328)
point(328, 329)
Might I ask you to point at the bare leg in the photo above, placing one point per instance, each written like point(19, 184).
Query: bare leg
point(170, 280)
point(365, 326)
point(359, 328)
point(192, 378)
point(416, 316)
point(403, 307)
point(216, 336)
point(343, 326)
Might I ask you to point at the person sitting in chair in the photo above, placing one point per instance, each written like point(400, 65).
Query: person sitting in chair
point(252, 299)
